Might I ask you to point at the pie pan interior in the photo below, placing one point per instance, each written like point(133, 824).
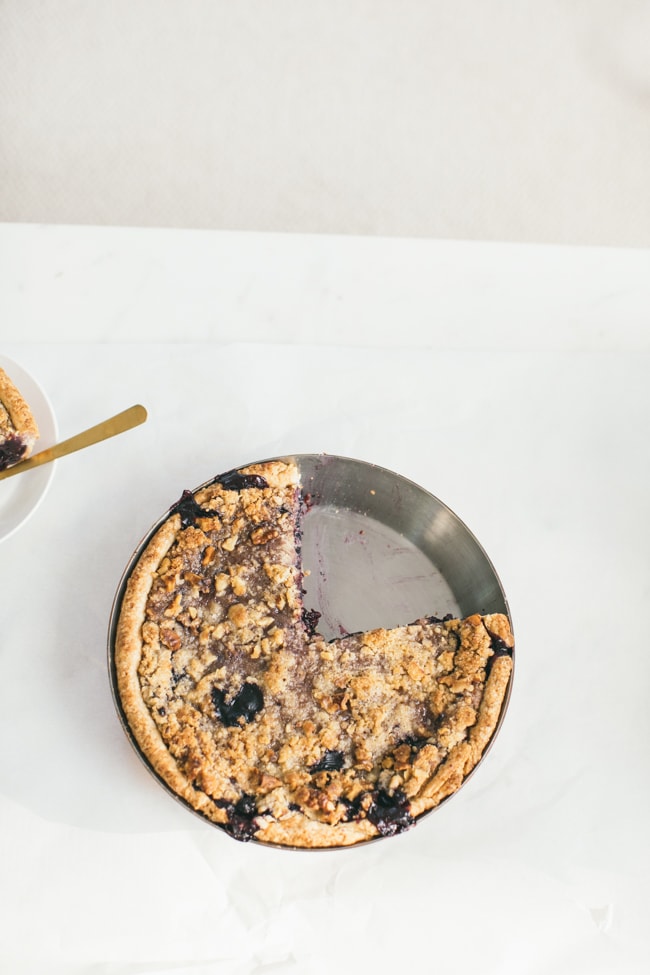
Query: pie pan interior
point(377, 551)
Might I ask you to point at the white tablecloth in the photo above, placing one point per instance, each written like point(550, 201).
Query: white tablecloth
point(536, 436)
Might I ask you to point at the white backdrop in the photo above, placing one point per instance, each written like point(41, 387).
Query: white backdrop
point(489, 119)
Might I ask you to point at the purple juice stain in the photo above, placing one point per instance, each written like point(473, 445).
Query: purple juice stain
point(308, 501)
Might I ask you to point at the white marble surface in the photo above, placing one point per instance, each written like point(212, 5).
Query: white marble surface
point(128, 284)
point(433, 361)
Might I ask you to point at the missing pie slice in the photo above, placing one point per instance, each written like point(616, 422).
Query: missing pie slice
point(258, 722)
point(18, 428)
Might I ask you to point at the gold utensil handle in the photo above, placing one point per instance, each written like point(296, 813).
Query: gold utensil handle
point(102, 431)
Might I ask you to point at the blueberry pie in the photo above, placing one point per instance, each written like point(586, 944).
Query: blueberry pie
point(258, 722)
point(18, 428)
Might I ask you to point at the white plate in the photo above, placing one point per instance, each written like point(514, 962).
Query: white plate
point(20, 496)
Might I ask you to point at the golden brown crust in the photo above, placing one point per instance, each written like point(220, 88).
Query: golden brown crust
point(17, 423)
point(274, 732)
point(129, 654)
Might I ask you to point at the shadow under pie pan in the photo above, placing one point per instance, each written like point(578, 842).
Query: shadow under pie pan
point(377, 552)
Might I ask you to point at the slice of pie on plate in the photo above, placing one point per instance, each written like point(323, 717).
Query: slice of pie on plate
point(18, 428)
point(259, 723)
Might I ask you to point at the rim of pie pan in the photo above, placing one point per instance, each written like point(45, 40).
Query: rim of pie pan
point(378, 551)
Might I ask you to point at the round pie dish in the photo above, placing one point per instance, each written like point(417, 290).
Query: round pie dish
point(341, 701)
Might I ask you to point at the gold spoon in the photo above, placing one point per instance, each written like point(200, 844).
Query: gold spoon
point(102, 431)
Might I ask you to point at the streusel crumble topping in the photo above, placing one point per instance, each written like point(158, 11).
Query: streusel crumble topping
point(18, 428)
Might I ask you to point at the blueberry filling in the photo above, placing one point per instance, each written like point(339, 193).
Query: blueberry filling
point(499, 649)
point(499, 646)
point(440, 619)
point(245, 704)
point(390, 814)
point(332, 761)
point(11, 452)
point(415, 742)
point(189, 509)
point(241, 817)
point(310, 618)
point(353, 808)
point(176, 677)
point(234, 481)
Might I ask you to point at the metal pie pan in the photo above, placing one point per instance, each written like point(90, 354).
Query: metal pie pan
point(378, 550)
